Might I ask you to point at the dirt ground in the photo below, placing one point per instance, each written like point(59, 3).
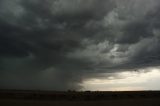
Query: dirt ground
point(124, 102)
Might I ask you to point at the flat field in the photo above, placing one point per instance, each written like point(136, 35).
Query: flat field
point(72, 98)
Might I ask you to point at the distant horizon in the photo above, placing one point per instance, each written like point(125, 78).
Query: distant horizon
point(34, 90)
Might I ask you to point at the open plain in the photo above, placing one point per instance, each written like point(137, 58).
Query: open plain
point(73, 98)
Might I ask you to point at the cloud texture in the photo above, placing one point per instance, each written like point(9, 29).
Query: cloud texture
point(56, 44)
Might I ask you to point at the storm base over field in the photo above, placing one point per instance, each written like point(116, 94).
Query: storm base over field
point(79, 44)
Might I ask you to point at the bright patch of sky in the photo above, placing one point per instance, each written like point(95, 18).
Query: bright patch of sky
point(144, 79)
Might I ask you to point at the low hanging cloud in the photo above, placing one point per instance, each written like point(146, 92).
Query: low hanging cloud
point(56, 44)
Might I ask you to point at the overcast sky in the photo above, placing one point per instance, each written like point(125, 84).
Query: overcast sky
point(65, 44)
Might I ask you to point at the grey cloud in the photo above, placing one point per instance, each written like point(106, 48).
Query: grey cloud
point(56, 44)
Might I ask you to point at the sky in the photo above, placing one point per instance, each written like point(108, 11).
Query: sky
point(80, 44)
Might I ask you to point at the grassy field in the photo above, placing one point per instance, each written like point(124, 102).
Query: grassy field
point(71, 98)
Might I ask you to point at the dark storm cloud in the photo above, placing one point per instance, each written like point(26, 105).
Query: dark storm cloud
point(56, 44)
